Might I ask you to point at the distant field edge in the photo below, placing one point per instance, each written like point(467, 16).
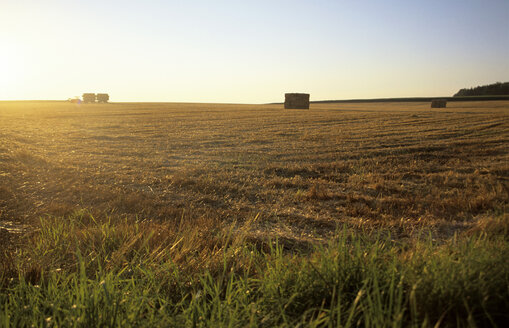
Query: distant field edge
point(372, 100)
point(413, 99)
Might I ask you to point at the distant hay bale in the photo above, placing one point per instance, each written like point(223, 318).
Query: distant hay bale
point(103, 97)
point(438, 103)
point(89, 97)
point(296, 100)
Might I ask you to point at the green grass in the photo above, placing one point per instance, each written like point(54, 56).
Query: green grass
point(82, 272)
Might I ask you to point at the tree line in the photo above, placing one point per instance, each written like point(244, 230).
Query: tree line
point(495, 89)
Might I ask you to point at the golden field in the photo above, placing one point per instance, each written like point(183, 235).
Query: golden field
point(202, 215)
point(293, 174)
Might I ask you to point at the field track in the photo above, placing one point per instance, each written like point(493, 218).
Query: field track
point(299, 173)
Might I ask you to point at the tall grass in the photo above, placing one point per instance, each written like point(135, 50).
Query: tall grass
point(86, 272)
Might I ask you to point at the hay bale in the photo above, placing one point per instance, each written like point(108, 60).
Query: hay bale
point(89, 97)
point(103, 97)
point(438, 103)
point(296, 100)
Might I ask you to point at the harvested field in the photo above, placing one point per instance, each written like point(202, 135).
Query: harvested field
point(205, 215)
point(395, 165)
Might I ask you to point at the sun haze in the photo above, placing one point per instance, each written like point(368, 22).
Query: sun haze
point(249, 51)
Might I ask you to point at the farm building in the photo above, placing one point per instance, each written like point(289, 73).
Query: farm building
point(296, 100)
point(103, 97)
point(89, 97)
point(438, 103)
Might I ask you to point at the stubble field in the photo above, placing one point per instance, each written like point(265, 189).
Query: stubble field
point(194, 179)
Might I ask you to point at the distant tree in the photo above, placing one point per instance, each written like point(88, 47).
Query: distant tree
point(495, 89)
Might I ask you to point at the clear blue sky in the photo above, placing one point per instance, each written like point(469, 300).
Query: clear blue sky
point(250, 51)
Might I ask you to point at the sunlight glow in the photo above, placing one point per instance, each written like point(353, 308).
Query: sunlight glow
point(11, 72)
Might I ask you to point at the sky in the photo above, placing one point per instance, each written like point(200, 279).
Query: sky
point(250, 51)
